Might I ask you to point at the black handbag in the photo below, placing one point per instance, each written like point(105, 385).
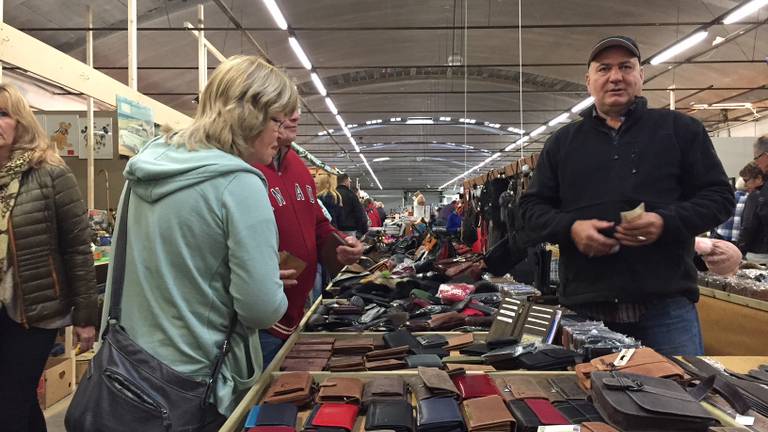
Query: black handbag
point(126, 388)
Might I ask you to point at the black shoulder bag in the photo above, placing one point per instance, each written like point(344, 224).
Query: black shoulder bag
point(126, 388)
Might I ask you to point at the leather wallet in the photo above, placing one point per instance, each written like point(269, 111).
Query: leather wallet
point(303, 364)
point(354, 345)
point(438, 415)
point(474, 386)
point(567, 387)
point(327, 254)
point(459, 341)
point(348, 363)
point(403, 337)
point(423, 360)
point(578, 411)
point(253, 414)
point(487, 413)
point(644, 361)
point(529, 420)
point(342, 390)
point(387, 364)
point(384, 388)
point(332, 415)
point(434, 383)
point(446, 321)
point(293, 387)
point(519, 387)
point(551, 359)
point(597, 427)
point(312, 347)
point(476, 349)
point(395, 415)
point(290, 262)
point(317, 340)
point(546, 412)
point(432, 341)
point(397, 353)
point(282, 414)
point(271, 429)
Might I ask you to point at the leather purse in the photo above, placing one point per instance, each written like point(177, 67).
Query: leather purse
point(644, 361)
point(434, 383)
point(283, 414)
point(578, 411)
point(438, 415)
point(519, 387)
point(474, 386)
point(341, 390)
point(293, 387)
point(423, 360)
point(634, 402)
point(384, 388)
point(487, 413)
point(395, 415)
point(337, 416)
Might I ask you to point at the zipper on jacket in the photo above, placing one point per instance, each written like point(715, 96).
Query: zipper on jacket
point(56, 289)
point(16, 278)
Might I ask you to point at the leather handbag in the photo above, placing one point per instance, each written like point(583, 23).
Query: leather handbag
point(292, 387)
point(639, 403)
point(644, 361)
point(128, 389)
point(342, 390)
point(395, 415)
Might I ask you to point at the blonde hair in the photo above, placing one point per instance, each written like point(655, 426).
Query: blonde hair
point(325, 185)
point(237, 104)
point(29, 134)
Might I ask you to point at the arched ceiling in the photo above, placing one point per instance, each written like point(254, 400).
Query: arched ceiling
point(388, 59)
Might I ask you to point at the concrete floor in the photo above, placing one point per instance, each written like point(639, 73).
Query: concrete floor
point(54, 416)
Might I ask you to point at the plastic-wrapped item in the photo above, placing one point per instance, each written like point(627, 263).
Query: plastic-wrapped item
point(594, 339)
point(455, 292)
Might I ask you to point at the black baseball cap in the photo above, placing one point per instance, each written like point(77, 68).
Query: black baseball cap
point(615, 41)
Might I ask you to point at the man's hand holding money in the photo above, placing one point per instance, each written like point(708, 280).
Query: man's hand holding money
point(638, 227)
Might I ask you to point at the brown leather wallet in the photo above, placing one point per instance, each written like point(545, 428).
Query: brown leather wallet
point(446, 321)
point(316, 340)
point(308, 354)
point(519, 387)
point(293, 387)
point(312, 347)
point(385, 388)
point(436, 383)
point(645, 361)
point(397, 353)
point(388, 364)
point(459, 341)
point(354, 345)
point(346, 363)
point(290, 262)
point(597, 427)
point(487, 413)
point(341, 390)
point(303, 364)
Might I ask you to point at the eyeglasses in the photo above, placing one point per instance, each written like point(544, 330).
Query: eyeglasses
point(280, 123)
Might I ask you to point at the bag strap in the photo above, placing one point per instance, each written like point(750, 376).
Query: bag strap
point(118, 279)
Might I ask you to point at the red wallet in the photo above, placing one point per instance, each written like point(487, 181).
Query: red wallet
point(546, 412)
point(474, 386)
point(336, 415)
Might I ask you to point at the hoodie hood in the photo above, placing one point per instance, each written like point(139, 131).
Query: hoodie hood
point(161, 169)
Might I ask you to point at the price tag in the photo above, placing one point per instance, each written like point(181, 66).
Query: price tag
point(745, 420)
point(624, 356)
point(563, 428)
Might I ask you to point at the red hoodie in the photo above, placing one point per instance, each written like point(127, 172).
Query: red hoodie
point(302, 227)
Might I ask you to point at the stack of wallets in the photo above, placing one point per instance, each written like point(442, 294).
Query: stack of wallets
point(346, 363)
point(387, 359)
point(310, 354)
point(593, 339)
point(272, 418)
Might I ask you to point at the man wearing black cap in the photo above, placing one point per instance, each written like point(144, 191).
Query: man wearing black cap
point(637, 276)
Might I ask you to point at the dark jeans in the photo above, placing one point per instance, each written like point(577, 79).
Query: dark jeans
point(23, 353)
point(270, 345)
point(671, 327)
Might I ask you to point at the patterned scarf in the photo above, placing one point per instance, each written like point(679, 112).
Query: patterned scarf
point(10, 176)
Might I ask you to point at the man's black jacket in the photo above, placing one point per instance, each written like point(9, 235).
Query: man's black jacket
point(753, 235)
point(353, 216)
point(589, 171)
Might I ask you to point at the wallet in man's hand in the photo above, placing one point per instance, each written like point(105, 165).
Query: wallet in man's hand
point(290, 262)
point(328, 257)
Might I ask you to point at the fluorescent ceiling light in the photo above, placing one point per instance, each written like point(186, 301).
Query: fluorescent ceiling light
point(562, 118)
point(340, 121)
point(365, 161)
point(680, 47)
point(537, 131)
point(299, 53)
point(395, 119)
point(496, 156)
point(354, 144)
point(347, 132)
point(318, 84)
point(331, 106)
point(516, 130)
point(445, 119)
point(510, 147)
point(583, 104)
point(352, 125)
point(381, 159)
point(745, 10)
point(419, 120)
point(276, 14)
point(321, 133)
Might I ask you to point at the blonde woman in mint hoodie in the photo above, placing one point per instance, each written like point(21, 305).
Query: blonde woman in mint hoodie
point(202, 239)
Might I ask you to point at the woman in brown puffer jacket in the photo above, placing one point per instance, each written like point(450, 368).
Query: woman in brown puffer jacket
point(46, 268)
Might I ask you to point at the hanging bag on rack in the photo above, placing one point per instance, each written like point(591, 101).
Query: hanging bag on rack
point(125, 387)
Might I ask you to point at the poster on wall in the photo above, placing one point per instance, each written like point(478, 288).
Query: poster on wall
point(62, 131)
point(135, 125)
point(102, 138)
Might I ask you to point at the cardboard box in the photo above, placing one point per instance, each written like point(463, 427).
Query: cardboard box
point(81, 366)
point(56, 382)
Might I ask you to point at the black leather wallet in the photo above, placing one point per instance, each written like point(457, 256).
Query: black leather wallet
point(403, 337)
point(432, 341)
point(396, 415)
point(476, 349)
point(282, 414)
point(548, 359)
point(423, 360)
point(439, 414)
point(526, 419)
point(578, 411)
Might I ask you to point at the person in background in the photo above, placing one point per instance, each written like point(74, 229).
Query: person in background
point(753, 237)
point(48, 280)
point(453, 224)
point(636, 276)
point(730, 229)
point(178, 300)
point(380, 211)
point(372, 213)
point(329, 197)
point(353, 220)
point(303, 230)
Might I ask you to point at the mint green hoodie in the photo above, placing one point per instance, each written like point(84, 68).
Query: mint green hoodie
point(202, 243)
